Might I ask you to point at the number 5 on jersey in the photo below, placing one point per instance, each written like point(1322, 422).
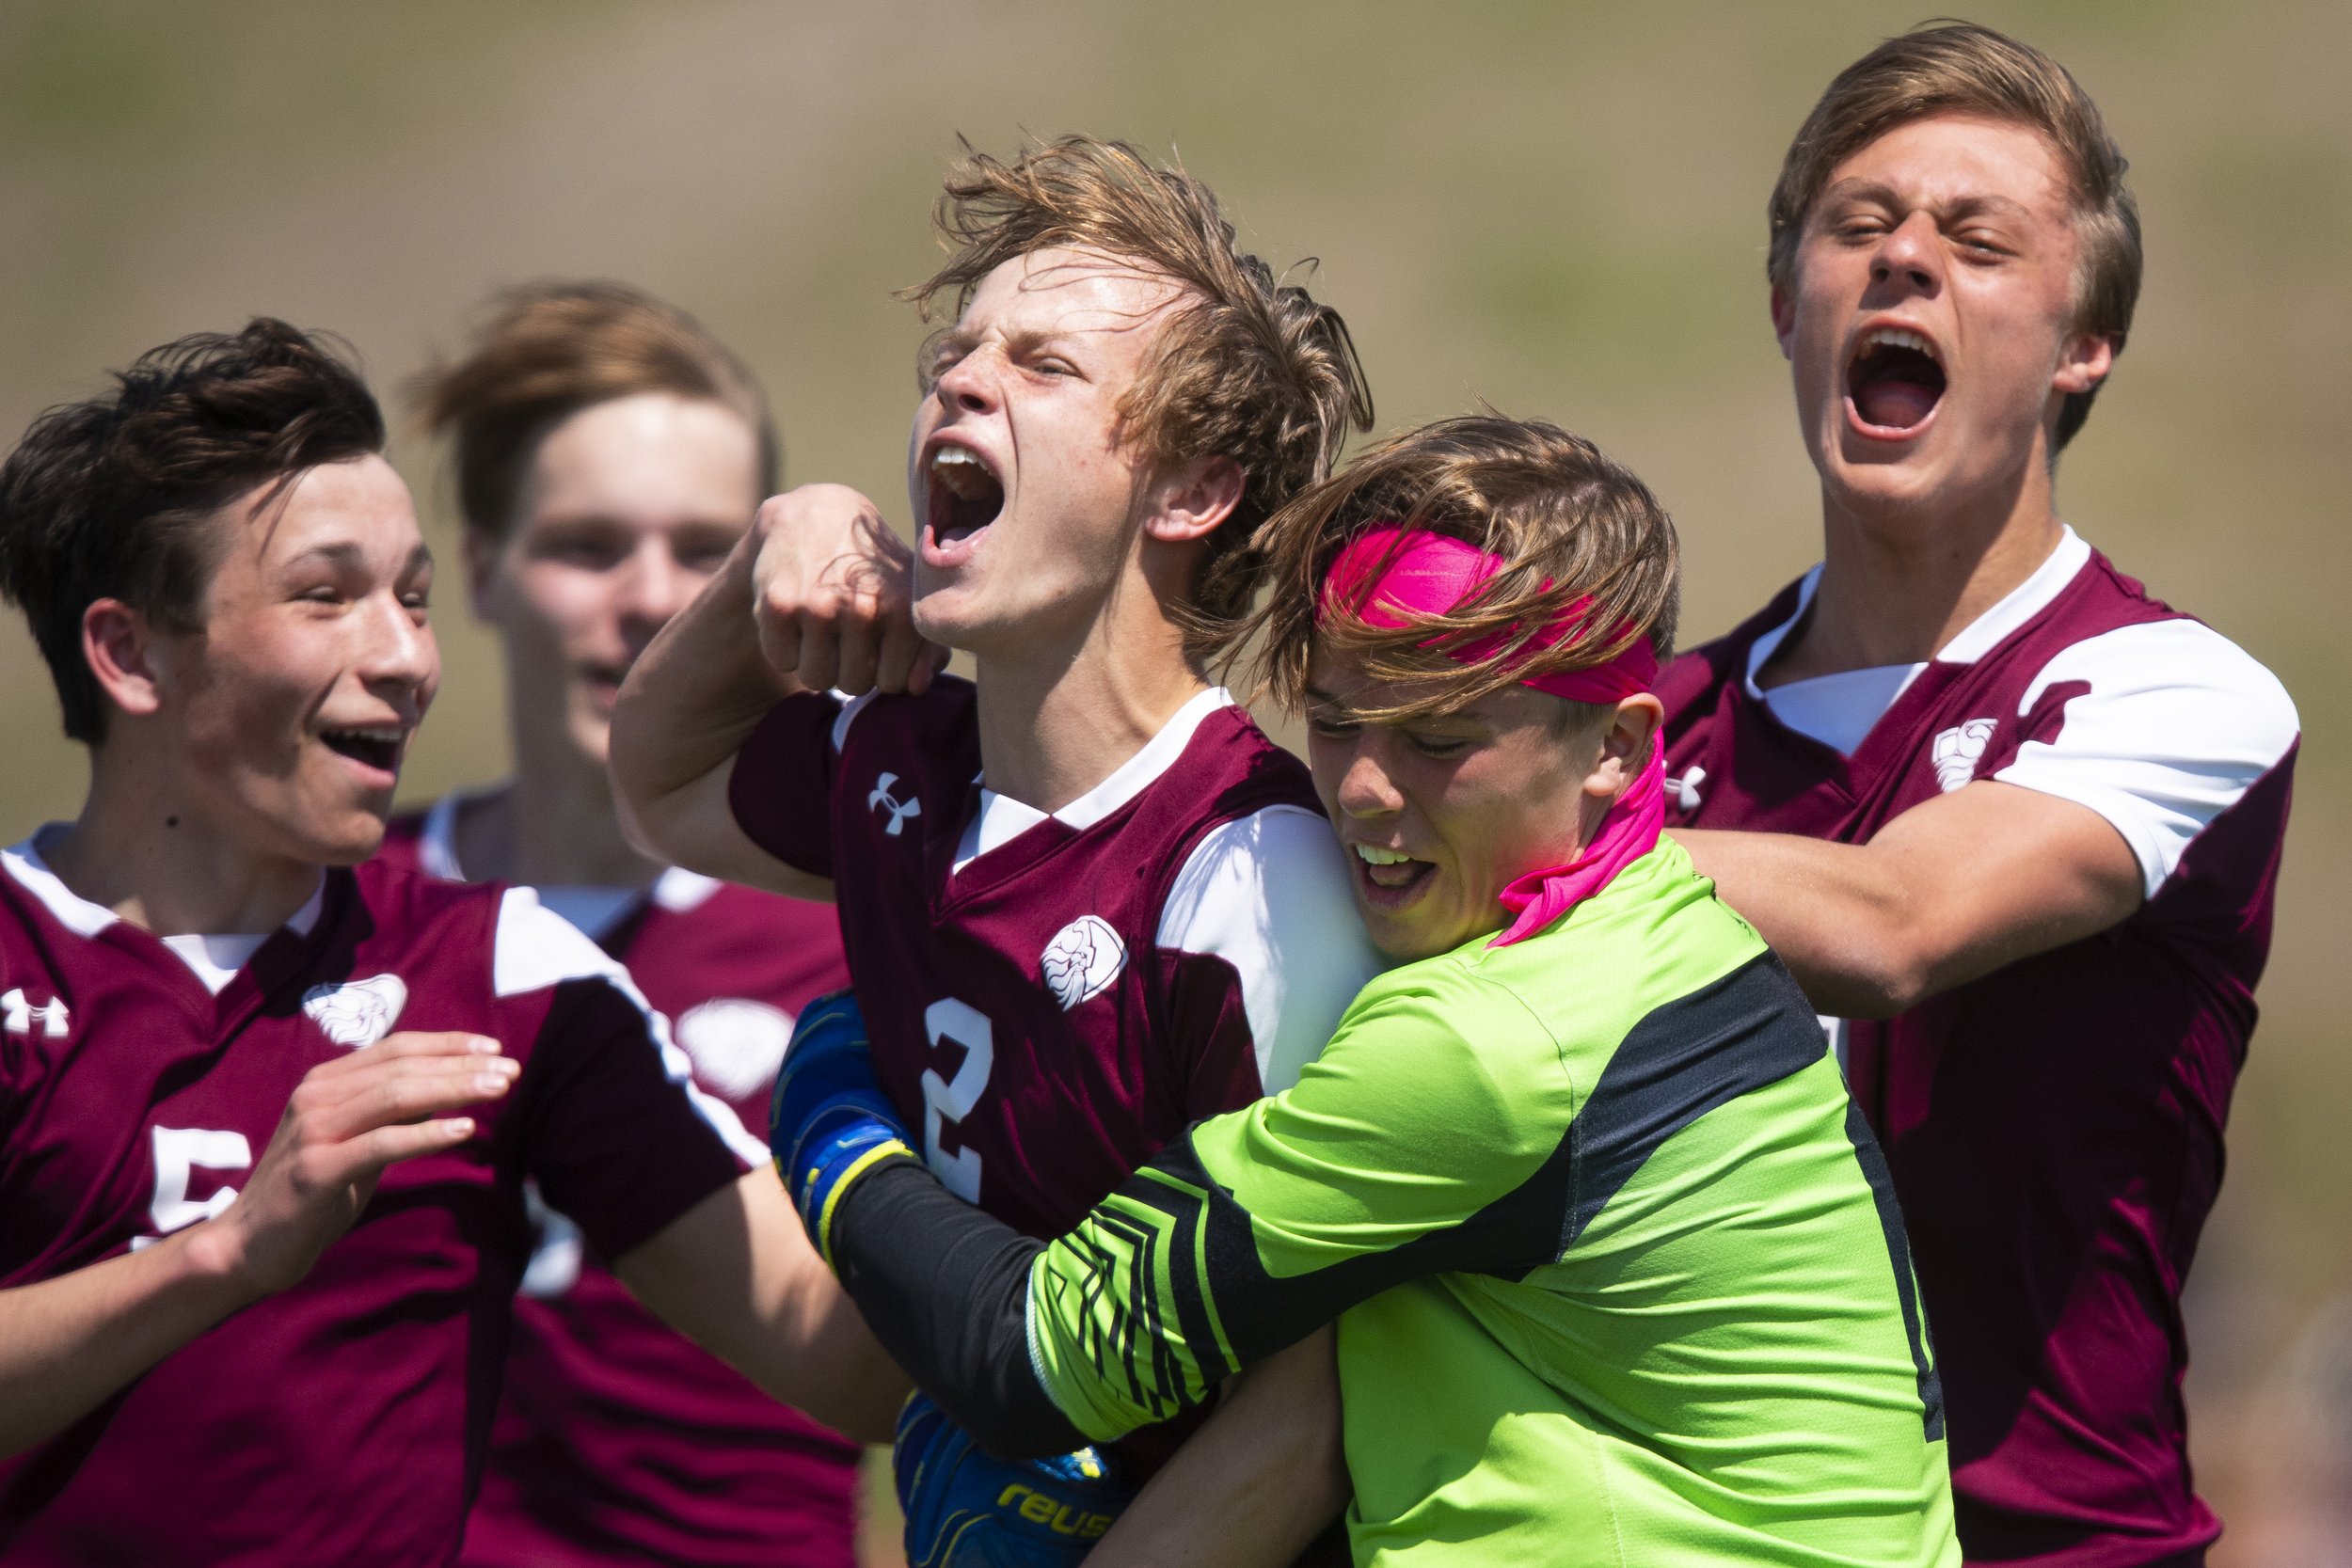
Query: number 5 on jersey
point(946, 1100)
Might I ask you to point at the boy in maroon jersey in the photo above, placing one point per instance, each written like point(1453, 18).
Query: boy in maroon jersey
point(200, 1084)
point(2020, 821)
point(1085, 900)
point(609, 452)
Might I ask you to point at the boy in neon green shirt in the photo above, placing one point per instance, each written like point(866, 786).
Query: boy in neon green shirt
point(1617, 1273)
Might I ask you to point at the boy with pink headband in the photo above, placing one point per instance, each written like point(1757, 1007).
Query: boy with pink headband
point(1617, 1275)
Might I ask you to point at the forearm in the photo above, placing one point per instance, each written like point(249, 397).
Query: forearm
point(1948, 892)
point(1256, 1484)
point(945, 1289)
point(1836, 914)
point(735, 1275)
point(68, 1343)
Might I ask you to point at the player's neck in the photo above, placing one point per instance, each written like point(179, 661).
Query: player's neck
point(1900, 581)
point(1058, 717)
point(139, 850)
point(569, 835)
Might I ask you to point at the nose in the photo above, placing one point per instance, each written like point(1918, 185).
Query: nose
point(399, 658)
point(968, 386)
point(652, 588)
point(1367, 788)
point(1908, 257)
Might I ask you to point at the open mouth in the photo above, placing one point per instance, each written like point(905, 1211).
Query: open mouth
point(375, 746)
point(1389, 877)
point(964, 495)
point(1895, 381)
point(604, 682)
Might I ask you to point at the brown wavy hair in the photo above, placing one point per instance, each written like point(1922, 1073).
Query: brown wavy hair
point(549, 350)
point(1248, 366)
point(117, 497)
point(1961, 67)
point(1569, 524)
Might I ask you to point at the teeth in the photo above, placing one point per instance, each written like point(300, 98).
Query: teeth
point(1894, 336)
point(954, 456)
point(1372, 856)
point(388, 734)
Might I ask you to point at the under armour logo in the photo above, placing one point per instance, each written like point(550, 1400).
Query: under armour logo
point(898, 814)
point(1957, 751)
point(1686, 788)
point(21, 1011)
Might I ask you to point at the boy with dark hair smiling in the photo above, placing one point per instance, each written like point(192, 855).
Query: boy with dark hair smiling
point(258, 1249)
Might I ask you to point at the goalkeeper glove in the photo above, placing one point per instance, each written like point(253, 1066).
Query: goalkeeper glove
point(966, 1509)
point(829, 1122)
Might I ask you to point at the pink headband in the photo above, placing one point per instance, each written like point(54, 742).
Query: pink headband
point(1429, 574)
point(1388, 570)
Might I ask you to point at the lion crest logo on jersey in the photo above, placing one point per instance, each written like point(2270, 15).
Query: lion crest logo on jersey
point(1959, 750)
point(357, 1012)
point(736, 1043)
point(900, 812)
point(1081, 960)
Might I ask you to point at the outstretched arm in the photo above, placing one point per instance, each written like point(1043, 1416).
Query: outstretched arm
point(735, 1275)
point(65, 1345)
point(814, 596)
point(1950, 891)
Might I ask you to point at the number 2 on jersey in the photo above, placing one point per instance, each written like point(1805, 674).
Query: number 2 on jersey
point(946, 1100)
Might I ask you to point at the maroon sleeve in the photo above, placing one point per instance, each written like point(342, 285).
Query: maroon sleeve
point(617, 1145)
point(781, 790)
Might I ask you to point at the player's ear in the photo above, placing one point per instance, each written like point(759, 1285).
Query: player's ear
point(1625, 742)
point(1784, 319)
point(119, 642)
point(1191, 499)
point(2083, 363)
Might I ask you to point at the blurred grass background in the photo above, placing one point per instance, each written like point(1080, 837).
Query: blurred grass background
point(1554, 208)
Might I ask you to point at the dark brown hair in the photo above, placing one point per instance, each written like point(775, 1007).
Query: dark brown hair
point(115, 497)
point(1961, 67)
point(1568, 523)
point(1248, 367)
point(549, 350)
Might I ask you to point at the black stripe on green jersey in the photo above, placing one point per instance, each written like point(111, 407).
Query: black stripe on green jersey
point(1747, 1029)
point(1873, 1160)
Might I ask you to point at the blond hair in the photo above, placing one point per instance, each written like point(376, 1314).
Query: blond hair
point(1568, 524)
point(1247, 367)
point(549, 350)
point(1961, 67)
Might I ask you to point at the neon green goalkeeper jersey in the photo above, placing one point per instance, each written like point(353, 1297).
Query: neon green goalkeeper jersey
point(1617, 1270)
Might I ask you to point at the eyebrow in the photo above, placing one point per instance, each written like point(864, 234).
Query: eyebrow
point(1959, 207)
point(347, 555)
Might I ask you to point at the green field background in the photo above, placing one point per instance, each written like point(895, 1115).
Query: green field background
point(1557, 210)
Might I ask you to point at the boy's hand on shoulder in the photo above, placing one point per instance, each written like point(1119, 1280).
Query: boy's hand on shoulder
point(833, 594)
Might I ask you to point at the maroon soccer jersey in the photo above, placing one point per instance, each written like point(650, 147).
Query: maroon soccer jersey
point(1053, 997)
point(2055, 1128)
point(344, 1421)
point(617, 1439)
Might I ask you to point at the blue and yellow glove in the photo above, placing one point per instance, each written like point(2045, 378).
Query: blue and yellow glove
point(829, 1122)
point(967, 1508)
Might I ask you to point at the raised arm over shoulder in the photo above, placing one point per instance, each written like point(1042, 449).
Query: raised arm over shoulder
point(814, 596)
point(1950, 890)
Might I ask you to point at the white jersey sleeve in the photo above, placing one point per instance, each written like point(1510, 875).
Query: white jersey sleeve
point(536, 948)
point(1269, 893)
point(2177, 724)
